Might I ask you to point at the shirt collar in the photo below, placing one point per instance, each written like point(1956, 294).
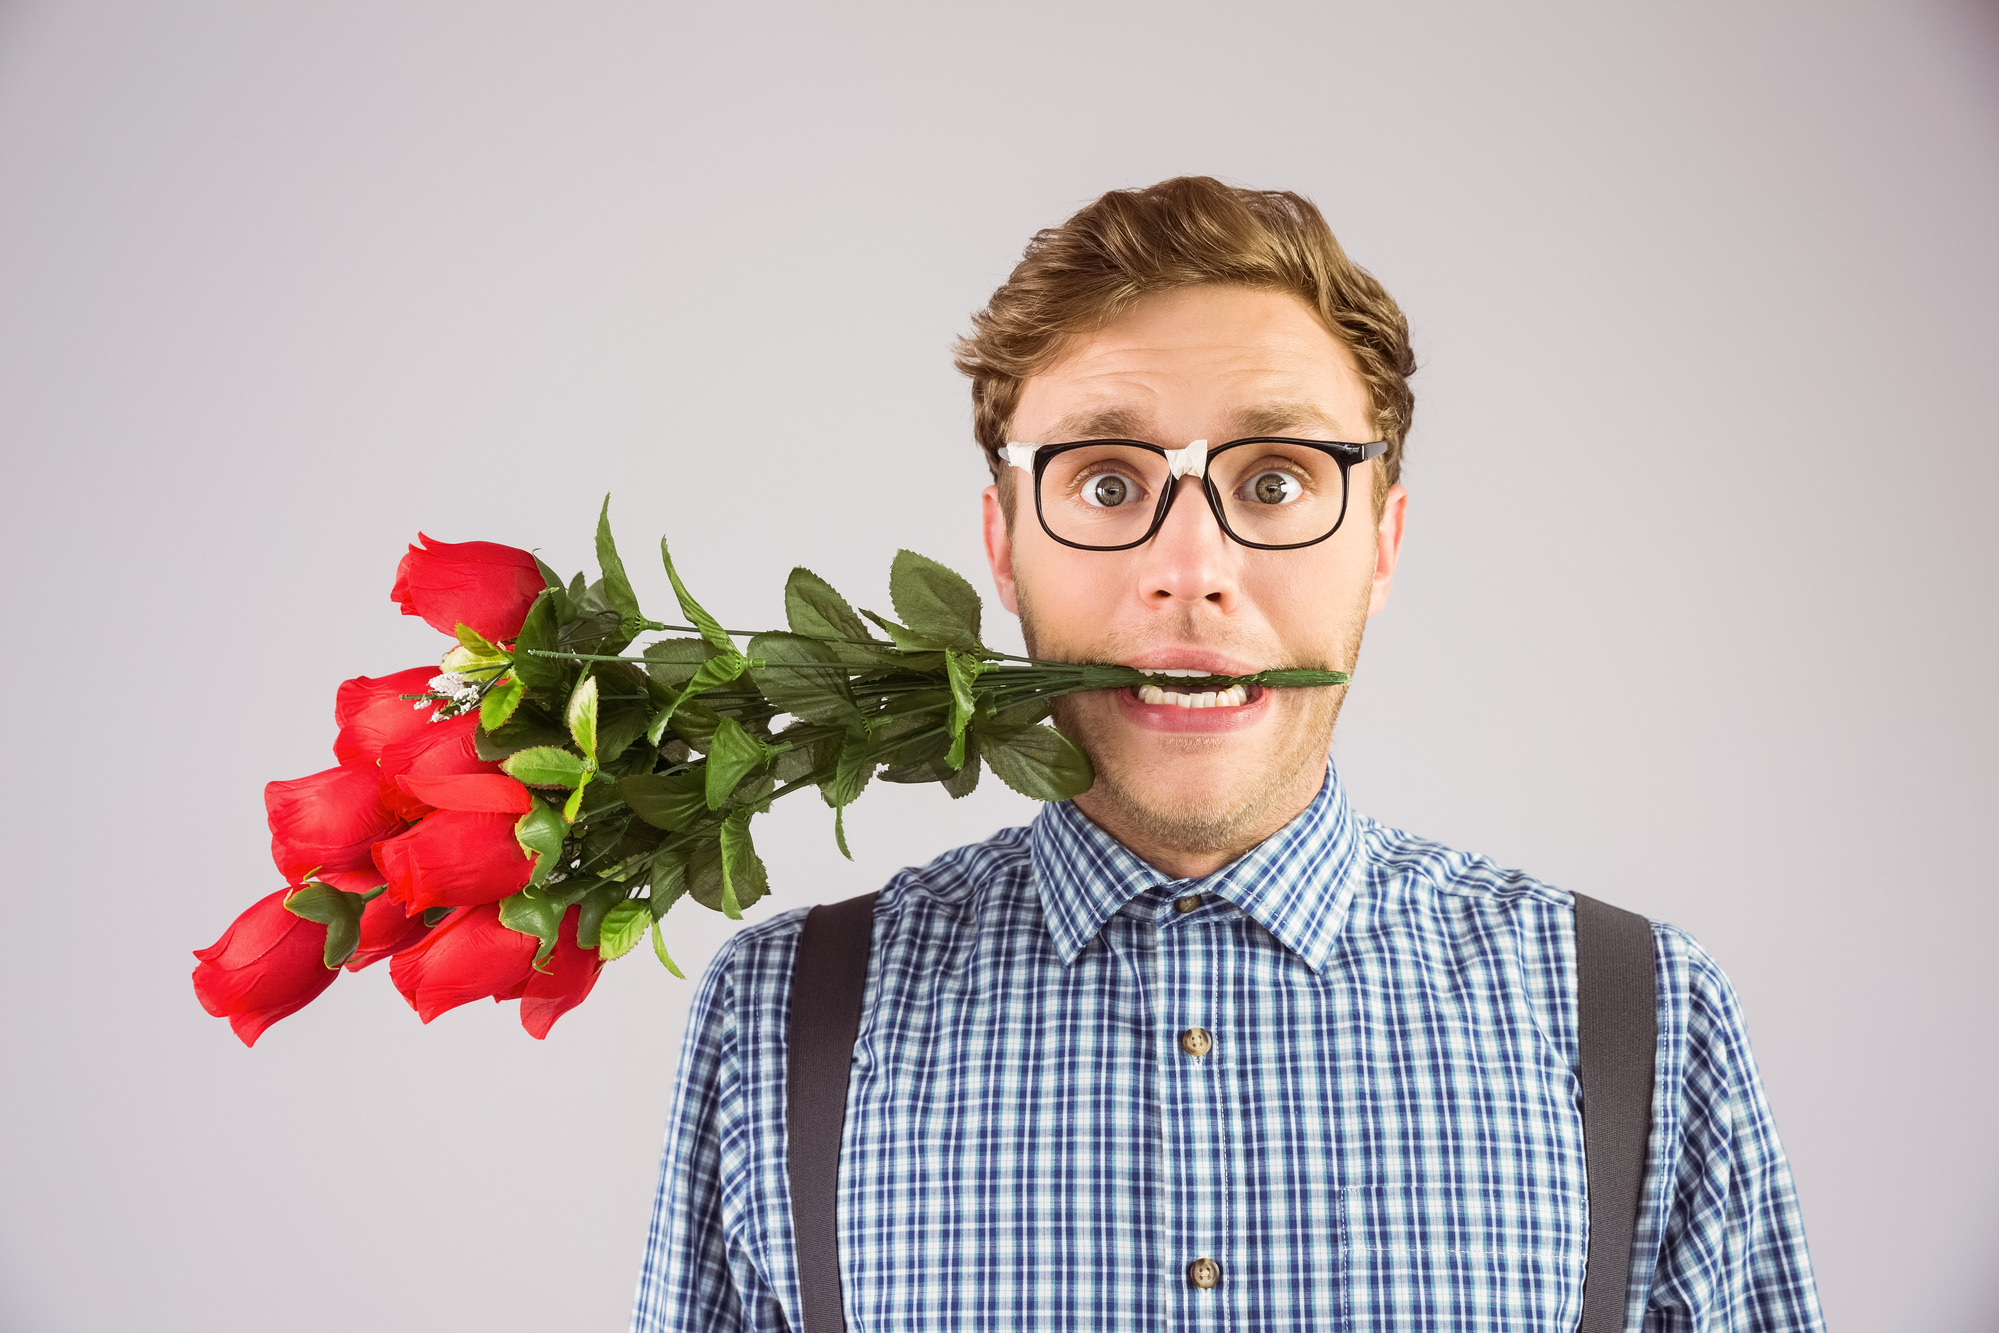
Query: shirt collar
point(1296, 884)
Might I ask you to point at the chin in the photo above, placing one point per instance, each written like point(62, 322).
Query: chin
point(1197, 783)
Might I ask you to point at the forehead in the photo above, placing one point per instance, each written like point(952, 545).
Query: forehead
point(1203, 361)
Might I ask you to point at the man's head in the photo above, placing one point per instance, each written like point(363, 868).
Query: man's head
point(1194, 311)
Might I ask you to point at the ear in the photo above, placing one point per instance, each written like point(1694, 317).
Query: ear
point(999, 548)
point(1387, 546)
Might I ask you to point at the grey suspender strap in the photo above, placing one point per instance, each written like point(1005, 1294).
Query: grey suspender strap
point(827, 982)
point(1617, 1033)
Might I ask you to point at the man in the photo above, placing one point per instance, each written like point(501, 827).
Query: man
point(1205, 1048)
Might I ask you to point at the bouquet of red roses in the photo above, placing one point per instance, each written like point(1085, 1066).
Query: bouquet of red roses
point(506, 823)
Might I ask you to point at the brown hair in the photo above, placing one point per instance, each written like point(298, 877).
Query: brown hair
point(1184, 232)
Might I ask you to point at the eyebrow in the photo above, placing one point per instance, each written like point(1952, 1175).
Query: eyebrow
point(1286, 418)
point(1098, 423)
point(1272, 418)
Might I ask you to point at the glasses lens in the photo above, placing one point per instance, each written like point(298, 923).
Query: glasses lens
point(1278, 494)
point(1102, 494)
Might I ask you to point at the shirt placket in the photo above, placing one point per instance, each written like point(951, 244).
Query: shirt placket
point(1191, 1045)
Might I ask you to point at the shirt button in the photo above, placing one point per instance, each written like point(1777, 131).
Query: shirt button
point(1204, 1273)
point(1197, 1042)
point(1188, 903)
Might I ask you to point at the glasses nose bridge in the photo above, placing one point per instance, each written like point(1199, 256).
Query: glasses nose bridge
point(1197, 482)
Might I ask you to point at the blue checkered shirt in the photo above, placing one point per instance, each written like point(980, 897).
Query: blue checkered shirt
point(1383, 1132)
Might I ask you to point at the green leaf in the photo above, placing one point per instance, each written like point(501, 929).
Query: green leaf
point(717, 670)
point(673, 803)
point(669, 880)
point(711, 628)
point(574, 805)
point(545, 766)
point(337, 910)
point(590, 914)
point(694, 723)
point(434, 916)
point(905, 638)
point(704, 871)
point(624, 926)
point(548, 576)
point(581, 716)
point(965, 777)
point(623, 723)
point(732, 756)
point(962, 670)
point(540, 830)
point(812, 607)
point(501, 701)
point(1039, 762)
point(803, 677)
point(540, 631)
point(840, 831)
point(476, 643)
point(540, 914)
point(744, 879)
point(851, 771)
point(527, 728)
point(659, 952)
point(617, 585)
point(674, 661)
point(935, 601)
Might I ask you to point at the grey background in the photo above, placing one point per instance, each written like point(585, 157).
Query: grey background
point(1696, 611)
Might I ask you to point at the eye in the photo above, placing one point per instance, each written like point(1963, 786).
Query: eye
point(1106, 490)
point(1274, 488)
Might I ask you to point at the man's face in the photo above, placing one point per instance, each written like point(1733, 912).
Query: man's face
point(1214, 363)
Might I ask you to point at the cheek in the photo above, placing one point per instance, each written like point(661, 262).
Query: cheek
point(1068, 598)
point(1308, 598)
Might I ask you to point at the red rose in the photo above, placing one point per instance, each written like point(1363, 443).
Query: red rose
point(438, 749)
point(372, 714)
point(329, 820)
point(468, 957)
point(386, 930)
point(482, 584)
point(454, 858)
point(571, 972)
point(269, 963)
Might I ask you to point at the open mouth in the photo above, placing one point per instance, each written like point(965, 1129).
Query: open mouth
point(1235, 696)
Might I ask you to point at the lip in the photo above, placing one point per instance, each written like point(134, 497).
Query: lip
point(1196, 721)
point(1192, 659)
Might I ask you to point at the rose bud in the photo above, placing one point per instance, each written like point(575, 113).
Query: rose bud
point(468, 957)
point(440, 749)
point(454, 858)
point(569, 974)
point(328, 822)
point(481, 584)
point(372, 714)
point(268, 964)
point(386, 930)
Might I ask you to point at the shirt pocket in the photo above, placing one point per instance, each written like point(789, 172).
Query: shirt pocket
point(1470, 1261)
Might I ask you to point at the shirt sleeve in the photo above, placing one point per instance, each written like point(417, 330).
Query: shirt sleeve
point(693, 1278)
point(1730, 1244)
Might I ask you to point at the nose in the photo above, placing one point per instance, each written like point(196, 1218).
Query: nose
point(1189, 561)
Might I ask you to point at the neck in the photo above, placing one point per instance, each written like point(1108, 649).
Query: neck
point(1181, 849)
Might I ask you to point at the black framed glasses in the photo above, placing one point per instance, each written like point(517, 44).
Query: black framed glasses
point(1266, 491)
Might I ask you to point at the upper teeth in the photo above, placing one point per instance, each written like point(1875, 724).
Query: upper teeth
point(1176, 671)
point(1232, 697)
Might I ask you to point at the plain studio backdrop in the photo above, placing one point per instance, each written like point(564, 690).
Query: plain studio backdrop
point(1696, 612)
